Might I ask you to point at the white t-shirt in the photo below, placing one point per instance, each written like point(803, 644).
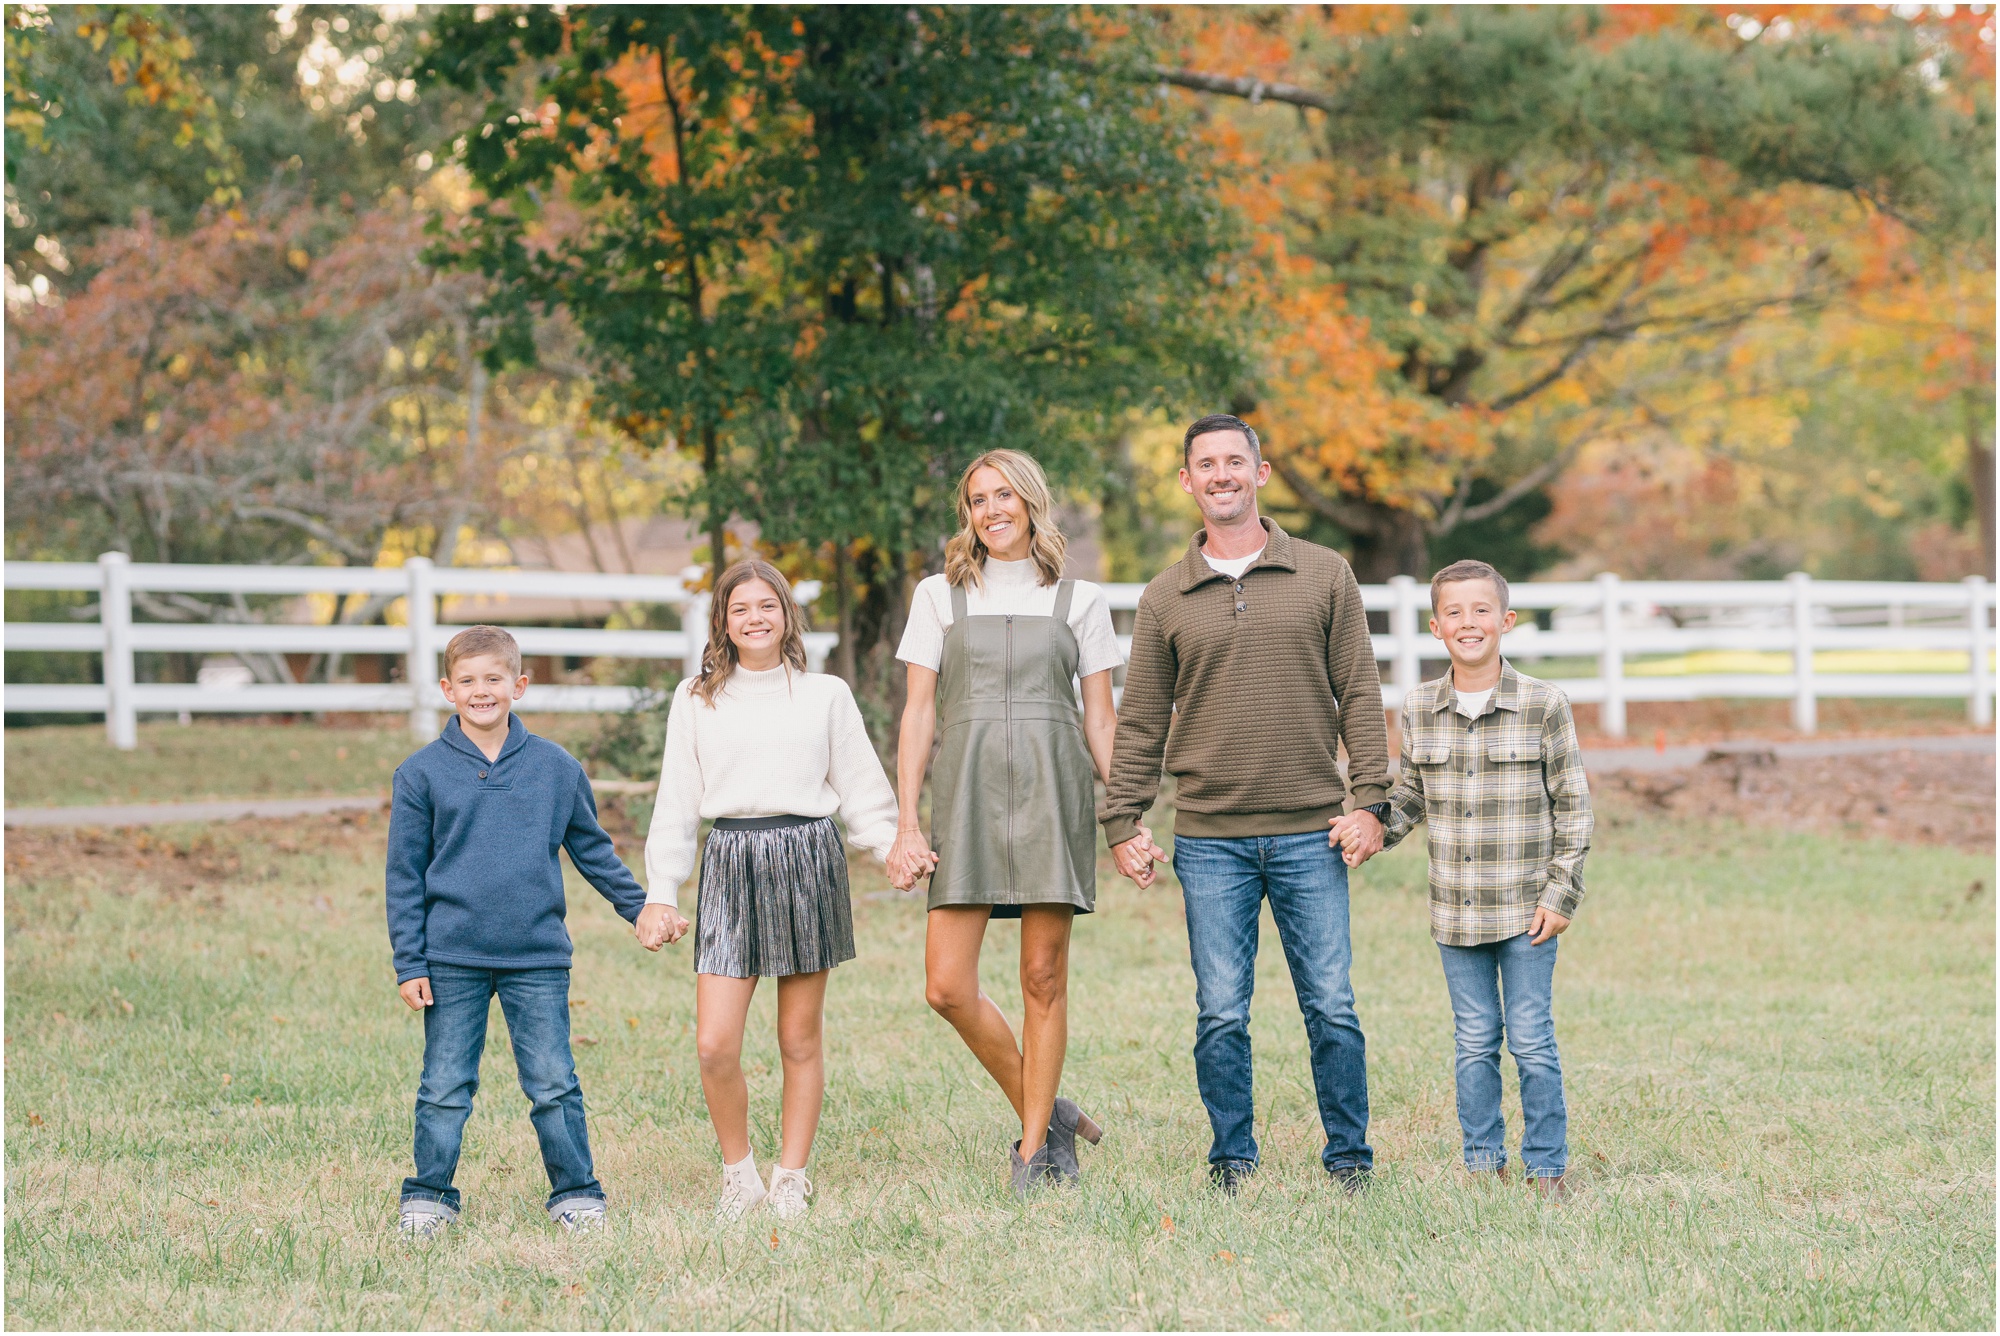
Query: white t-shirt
point(1011, 587)
point(1235, 566)
point(1472, 704)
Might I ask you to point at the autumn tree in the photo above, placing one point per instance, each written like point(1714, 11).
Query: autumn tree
point(836, 251)
point(1544, 221)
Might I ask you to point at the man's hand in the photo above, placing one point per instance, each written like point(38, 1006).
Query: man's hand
point(911, 859)
point(416, 993)
point(1136, 856)
point(1547, 924)
point(659, 924)
point(1358, 836)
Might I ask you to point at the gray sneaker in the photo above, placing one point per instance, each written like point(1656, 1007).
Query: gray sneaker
point(422, 1219)
point(579, 1215)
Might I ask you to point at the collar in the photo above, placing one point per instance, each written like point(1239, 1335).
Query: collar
point(454, 737)
point(1195, 569)
point(1506, 692)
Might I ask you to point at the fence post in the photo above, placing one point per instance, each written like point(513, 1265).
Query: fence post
point(1980, 705)
point(694, 620)
point(1805, 703)
point(1408, 668)
point(421, 667)
point(114, 611)
point(1611, 659)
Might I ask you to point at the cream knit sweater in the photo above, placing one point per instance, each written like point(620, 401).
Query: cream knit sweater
point(776, 743)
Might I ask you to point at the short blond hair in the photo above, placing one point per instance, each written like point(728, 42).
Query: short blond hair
point(482, 640)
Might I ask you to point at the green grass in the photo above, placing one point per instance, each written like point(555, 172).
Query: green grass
point(73, 764)
point(1779, 1053)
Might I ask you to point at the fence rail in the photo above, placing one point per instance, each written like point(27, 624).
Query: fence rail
point(1607, 621)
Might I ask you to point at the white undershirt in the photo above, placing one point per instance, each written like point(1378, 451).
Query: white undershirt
point(1472, 704)
point(1235, 566)
point(1016, 588)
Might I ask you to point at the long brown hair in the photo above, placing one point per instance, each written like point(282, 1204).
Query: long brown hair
point(718, 661)
point(966, 552)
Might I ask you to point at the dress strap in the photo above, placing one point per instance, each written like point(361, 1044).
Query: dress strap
point(957, 603)
point(1065, 589)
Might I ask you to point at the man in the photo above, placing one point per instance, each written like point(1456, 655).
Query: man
point(1257, 642)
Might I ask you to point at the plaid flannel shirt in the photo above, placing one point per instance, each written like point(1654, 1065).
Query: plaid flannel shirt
point(1506, 801)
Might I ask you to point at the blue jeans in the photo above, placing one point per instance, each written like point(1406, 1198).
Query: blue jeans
point(1225, 883)
point(1508, 988)
point(536, 1004)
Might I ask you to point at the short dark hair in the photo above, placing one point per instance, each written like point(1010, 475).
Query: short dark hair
point(1220, 422)
point(1460, 571)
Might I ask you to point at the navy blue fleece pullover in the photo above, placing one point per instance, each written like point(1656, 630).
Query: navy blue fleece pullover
point(473, 874)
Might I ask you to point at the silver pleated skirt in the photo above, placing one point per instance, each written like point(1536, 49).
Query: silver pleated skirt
point(774, 898)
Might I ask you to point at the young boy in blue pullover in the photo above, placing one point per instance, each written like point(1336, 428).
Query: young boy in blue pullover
point(476, 909)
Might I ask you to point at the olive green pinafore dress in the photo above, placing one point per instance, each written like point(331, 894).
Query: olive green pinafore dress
point(1013, 816)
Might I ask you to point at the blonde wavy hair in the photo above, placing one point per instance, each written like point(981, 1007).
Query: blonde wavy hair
point(966, 552)
point(719, 660)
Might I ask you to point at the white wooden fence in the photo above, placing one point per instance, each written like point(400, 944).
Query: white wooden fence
point(1607, 620)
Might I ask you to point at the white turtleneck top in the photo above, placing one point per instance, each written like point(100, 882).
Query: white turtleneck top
point(1010, 587)
point(775, 743)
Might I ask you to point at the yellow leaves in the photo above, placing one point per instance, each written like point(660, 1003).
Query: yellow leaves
point(297, 258)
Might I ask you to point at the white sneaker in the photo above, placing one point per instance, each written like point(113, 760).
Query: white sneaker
point(425, 1221)
point(789, 1190)
point(581, 1217)
point(742, 1190)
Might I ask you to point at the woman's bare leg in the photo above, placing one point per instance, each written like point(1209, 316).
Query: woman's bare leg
point(721, 1007)
point(801, 1006)
point(952, 937)
point(1045, 1024)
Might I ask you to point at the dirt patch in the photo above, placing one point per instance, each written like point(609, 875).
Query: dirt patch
point(1920, 797)
point(183, 859)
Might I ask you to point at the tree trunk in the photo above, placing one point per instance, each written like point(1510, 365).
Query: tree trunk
point(718, 529)
point(1979, 465)
point(1398, 545)
point(844, 658)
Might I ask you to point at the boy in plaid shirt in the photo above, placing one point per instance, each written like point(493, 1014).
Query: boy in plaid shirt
point(1491, 764)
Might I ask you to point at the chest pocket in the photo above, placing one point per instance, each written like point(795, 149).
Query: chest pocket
point(1434, 754)
point(1504, 751)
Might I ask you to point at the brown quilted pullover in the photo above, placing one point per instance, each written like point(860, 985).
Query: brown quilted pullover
point(1251, 674)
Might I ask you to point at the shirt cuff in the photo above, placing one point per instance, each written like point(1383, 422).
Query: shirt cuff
point(1366, 795)
point(666, 896)
point(1561, 899)
point(1118, 829)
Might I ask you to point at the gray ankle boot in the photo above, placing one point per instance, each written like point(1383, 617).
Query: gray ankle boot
point(1065, 1124)
point(1034, 1171)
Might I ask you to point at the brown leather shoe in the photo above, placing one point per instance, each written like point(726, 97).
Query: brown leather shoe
point(1552, 1189)
point(1497, 1174)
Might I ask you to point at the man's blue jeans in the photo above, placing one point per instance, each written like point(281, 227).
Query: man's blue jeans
point(1508, 988)
point(536, 1004)
point(1225, 883)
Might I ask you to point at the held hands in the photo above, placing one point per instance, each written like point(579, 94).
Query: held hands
point(1136, 856)
point(417, 992)
point(1547, 924)
point(1358, 836)
point(658, 925)
point(911, 859)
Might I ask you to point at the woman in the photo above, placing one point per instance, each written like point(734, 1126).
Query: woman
point(768, 751)
point(996, 644)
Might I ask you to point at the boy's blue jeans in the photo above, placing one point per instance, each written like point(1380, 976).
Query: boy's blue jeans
point(1508, 988)
point(1224, 883)
point(536, 1004)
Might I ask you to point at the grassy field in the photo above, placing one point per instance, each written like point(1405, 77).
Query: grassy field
point(1779, 1053)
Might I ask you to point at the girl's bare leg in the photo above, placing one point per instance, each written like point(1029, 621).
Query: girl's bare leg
point(1045, 1024)
point(952, 937)
point(801, 1006)
point(721, 1008)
